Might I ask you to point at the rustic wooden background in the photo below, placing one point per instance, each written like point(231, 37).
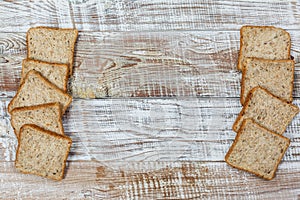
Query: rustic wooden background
point(155, 93)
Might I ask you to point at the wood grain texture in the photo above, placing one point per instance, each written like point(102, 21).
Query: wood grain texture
point(171, 147)
point(186, 129)
point(130, 15)
point(151, 180)
point(155, 64)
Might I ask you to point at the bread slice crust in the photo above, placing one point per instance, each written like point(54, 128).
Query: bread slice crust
point(39, 65)
point(275, 82)
point(241, 54)
point(35, 108)
point(56, 90)
point(51, 134)
point(238, 121)
point(72, 46)
point(236, 140)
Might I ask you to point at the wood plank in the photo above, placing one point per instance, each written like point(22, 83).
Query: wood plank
point(139, 148)
point(184, 129)
point(127, 15)
point(135, 64)
point(152, 180)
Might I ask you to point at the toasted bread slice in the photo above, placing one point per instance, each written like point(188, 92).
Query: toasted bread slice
point(36, 90)
point(46, 116)
point(266, 110)
point(53, 45)
point(257, 150)
point(277, 76)
point(42, 152)
point(55, 73)
point(266, 42)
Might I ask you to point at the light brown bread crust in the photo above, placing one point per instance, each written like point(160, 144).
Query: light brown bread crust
point(46, 82)
point(37, 107)
point(28, 65)
point(237, 138)
point(276, 83)
point(42, 131)
point(72, 46)
point(241, 54)
point(237, 123)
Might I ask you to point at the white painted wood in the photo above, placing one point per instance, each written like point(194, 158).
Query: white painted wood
point(151, 180)
point(185, 129)
point(143, 15)
point(134, 64)
point(170, 147)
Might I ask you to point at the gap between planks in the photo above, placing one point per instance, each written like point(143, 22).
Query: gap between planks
point(144, 64)
point(185, 129)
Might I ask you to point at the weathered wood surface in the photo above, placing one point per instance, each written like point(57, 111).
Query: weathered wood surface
point(134, 15)
point(152, 180)
point(151, 148)
point(134, 64)
point(149, 130)
point(183, 53)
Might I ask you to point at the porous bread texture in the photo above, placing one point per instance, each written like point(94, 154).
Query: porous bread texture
point(46, 116)
point(266, 110)
point(257, 150)
point(266, 42)
point(53, 45)
point(55, 73)
point(276, 76)
point(36, 90)
point(43, 153)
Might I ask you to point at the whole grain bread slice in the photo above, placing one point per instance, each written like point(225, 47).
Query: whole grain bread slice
point(277, 76)
point(55, 73)
point(36, 90)
point(53, 45)
point(266, 42)
point(46, 116)
point(266, 110)
point(43, 153)
point(257, 150)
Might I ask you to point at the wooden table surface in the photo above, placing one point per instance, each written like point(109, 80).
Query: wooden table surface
point(155, 93)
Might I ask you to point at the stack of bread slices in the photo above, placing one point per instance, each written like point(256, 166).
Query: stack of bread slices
point(266, 96)
point(37, 108)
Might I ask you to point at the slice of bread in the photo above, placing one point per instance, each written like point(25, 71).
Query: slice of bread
point(55, 73)
point(266, 42)
point(266, 110)
point(257, 150)
point(277, 76)
point(36, 90)
point(42, 152)
point(46, 116)
point(53, 45)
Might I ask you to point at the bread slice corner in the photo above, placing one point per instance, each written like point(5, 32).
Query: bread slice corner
point(43, 153)
point(257, 150)
point(266, 42)
point(47, 116)
point(53, 45)
point(36, 90)
point(276, 76)
point(266, 110)
point(55, 73)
